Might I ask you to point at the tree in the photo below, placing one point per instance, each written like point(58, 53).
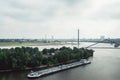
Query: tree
point(45, 51)
point(39, 57)
point(20, 58)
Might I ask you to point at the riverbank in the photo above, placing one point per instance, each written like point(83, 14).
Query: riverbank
point(38, 67)
point(31, 43)
point(26, 58)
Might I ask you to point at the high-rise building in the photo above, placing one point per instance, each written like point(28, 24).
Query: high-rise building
point(102, 37)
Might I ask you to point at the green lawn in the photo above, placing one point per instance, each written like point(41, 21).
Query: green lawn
point(30, 43)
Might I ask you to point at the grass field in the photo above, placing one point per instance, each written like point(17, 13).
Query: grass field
point(30, 43)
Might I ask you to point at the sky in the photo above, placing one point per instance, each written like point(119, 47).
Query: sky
point(38, 19)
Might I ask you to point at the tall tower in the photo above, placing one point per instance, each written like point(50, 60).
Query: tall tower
point(78, 39)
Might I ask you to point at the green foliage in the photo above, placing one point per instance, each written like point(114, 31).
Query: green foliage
point(66, 54)
point(44, 60)
point(20, 58)
point(45, 51)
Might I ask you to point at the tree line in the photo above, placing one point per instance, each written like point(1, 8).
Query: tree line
point(23, 57)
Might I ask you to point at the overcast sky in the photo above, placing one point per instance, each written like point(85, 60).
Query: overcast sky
point(59, 18)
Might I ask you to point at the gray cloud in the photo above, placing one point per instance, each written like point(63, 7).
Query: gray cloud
point(106, 11)
point(24, 12)
point(71, 2)
point(30, 17)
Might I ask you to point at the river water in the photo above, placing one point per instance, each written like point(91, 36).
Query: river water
point(105, 66)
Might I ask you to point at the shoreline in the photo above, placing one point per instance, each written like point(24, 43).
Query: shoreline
point(4, 44)
point(24, 67)
point(38, 67)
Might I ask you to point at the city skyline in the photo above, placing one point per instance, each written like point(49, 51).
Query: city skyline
point(59, 18)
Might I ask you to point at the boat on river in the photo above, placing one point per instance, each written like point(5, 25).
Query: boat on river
point(48, 71)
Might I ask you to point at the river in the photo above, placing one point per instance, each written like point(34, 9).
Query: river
point(105, 66)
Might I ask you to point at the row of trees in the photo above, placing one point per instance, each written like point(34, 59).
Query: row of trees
point(66, 54)
point(20, 58)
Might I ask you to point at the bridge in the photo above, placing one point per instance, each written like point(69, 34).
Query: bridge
point(116, 44)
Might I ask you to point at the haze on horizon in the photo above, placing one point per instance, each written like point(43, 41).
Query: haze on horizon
point(59, 18)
